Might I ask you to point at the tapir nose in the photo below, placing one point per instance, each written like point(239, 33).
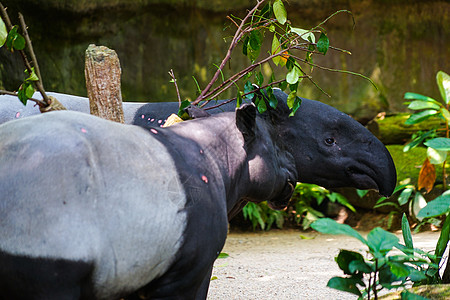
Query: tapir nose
point(386, 174)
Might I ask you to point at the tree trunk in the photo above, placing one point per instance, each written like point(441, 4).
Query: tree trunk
point(102, 71)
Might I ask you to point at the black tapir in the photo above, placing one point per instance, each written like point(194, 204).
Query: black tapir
point(91, 209)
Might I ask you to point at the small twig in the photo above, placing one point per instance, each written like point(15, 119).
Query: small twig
point(234, 22)
point(233, 44)
point(38, 102)
point(176, 85)
point(38, 83)
point(30, 48)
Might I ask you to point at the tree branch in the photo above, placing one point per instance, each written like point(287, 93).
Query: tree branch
point(176, 85)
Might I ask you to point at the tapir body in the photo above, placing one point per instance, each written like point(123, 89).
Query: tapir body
point(91, 209)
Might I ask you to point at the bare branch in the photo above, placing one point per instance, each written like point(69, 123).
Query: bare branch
point(176, 85)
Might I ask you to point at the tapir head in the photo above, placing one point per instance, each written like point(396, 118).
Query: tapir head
point(333, 150)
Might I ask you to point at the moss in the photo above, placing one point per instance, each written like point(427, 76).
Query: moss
point(408, 164)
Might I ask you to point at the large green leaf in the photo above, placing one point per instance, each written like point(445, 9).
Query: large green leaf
point(330, 226)
point(406, 231)
point(443, 238)
point(381, 241)
point(404, 196)
point(420, 104)
point(443, 82)
point(436, 157)
point(280, 12)
point(441, 143)
point(421, 116)
point(345, 257)
point(344, 284)
point(398, 269)
point(307, 35)
point(3, 32)
point(256, 40)
point(436, 207)
point(412, 96)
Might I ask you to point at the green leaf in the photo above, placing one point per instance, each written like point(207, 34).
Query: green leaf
point(24, 92)
point(330, 226)
point(406, 231)
point(32, 76)
point(420, 104)
point(245, 45)
point(443, 238)
point(362, 193)
point(248, 87)
point(404, 196)
point(280, 12)
point(436, 157)
point(418, 140)
point(29, 91)
point(307, 35)
point(295, 106)
point(259, 78)
point(181, 112)
point(412, 96)
point(344, 284)
point(293, 75)
point(276, 48)
point(443, 82)
point(359, 266)
point(323, 43)
point(273, 101)
point(380, 241)
point(223, 255)
point(260, 104)
point(398, 269)
point(421, 116)
point(446, 114)
point(345, 258)
point(436, 207)
point(291, 99)
point(19, 42)
point(238, 99)
point(3, 32)
point(255, 40)
point(440, 143)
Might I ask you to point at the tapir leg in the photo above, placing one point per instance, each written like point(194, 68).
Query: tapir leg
point(43, 279)
point(203, 290)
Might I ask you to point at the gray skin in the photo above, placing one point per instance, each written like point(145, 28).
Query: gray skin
point(80, 221)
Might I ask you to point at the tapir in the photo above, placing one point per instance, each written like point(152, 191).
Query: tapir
point(91, 209)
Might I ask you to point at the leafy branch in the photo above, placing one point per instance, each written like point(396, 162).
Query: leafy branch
point(287, 42)
point(14, 41)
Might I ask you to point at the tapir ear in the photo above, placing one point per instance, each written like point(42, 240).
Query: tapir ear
point(196, 112)
point(246, 120)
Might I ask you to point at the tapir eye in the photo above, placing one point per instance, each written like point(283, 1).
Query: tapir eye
point(330, 141)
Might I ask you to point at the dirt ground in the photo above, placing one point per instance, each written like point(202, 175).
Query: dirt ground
point(286, 265)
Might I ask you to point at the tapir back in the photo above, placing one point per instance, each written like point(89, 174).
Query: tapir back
point(113, 201)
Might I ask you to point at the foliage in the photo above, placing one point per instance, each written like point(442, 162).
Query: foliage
point(437, 147)
point(306, 196)
point(260, 214)
point(366, 277)
point(13, 40)
point(291, 48)
point(301, 208)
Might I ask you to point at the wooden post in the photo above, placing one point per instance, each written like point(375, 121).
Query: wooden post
point(102, 72)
